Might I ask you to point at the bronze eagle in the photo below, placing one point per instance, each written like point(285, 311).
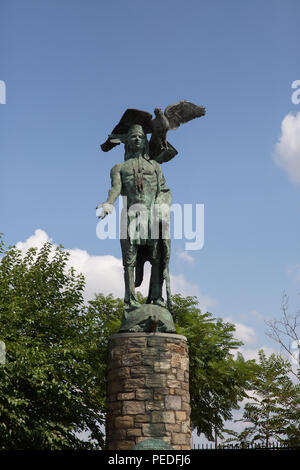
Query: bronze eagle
point(173, 116)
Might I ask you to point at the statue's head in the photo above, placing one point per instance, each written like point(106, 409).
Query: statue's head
point(136, 141)
point(158, 112)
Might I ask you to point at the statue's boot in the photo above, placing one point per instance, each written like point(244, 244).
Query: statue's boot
point(160, 302)
point(130, 298)
point(156, 282)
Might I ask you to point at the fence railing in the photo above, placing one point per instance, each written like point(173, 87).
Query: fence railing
point(270, 446)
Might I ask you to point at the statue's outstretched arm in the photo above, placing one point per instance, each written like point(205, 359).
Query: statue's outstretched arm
point(116, 184)
point(114, 192)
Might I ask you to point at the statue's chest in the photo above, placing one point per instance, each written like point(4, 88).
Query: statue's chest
point(140, 175)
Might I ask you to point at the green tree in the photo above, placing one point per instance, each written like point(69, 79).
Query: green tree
point(54, 381)
point(290, 399)
point(218, 380)
point(51, 383)
point(273, 412)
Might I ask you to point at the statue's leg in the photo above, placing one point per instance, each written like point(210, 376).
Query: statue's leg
point(156, 284)
point(130, 297)
point(166, 248)
point(156, 280)
point(129, 252)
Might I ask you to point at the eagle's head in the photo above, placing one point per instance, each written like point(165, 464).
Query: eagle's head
point(158, 112)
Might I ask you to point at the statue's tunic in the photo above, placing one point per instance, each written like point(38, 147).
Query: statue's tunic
point(142, 184)
point(144, 190)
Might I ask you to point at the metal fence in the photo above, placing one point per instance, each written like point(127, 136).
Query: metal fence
point(270, 446)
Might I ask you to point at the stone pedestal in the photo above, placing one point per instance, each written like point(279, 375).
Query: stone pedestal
point(148, 390)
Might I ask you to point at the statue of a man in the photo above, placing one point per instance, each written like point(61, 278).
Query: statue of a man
point(146, 199)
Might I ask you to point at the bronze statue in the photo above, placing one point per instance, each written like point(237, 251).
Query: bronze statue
point(141, 181)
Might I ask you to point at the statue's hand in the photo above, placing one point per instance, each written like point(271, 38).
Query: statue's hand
point(106, 209)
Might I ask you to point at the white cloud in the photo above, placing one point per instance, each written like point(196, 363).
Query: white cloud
point(37, 240)
point(242, 332)
point(287, 150)
point(105, 273)
point(102, 273)
point(252, 353)
point(185, 256)
point(185, 288)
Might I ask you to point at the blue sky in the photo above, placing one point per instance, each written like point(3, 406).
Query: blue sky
point(71, 68)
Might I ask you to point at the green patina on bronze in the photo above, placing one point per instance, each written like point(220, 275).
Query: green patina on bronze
point(147, 318)
point(153, 444)
point(140, 180)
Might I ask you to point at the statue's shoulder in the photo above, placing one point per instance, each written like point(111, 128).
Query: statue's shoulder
point(116, 168)
point(155, 164)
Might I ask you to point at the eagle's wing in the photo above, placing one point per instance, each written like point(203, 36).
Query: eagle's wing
point(182, 112)
point(129, 118)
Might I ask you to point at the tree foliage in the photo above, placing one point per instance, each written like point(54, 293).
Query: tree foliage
point(273, 413)
point(53, 383)
point(218, 380)
point(50, 385)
